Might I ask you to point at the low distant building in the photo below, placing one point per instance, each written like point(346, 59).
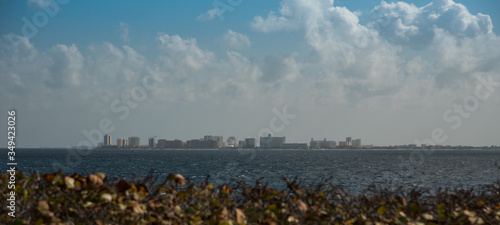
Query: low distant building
point(134, 141)
point(202, 144)
point(218, 139)
point(176, 144)
point(294, 146)
point(342, 144)
point(272, 142)
point(162, 143)
point(323, 144)
point(249, 143)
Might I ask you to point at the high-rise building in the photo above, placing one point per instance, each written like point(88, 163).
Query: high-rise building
point(249, 143)
point(220, 141)
point(271, 142)
point(356, 143)
point(151, 142)
point(348, 140)
point(134, 141)
point(107, 140)
point(241, 144)
point(231, 141)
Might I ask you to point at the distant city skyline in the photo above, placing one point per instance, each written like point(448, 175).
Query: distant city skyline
point(217, 141)
point(265, 142)
point(388, 72)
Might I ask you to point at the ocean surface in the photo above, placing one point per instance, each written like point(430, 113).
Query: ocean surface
point(354, 169)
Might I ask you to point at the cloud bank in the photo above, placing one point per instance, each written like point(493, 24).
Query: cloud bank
point(404, 57)
point(402, 51)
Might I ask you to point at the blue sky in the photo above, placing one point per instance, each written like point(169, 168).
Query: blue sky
point(84, 23)
point(354, 68)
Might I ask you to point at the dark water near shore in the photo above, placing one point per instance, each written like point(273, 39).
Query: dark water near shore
point(354, 169)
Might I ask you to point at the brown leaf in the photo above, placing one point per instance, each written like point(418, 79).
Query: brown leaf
point(179, 180)
point(240, 217)
point(94, 180)
point(101, 175)
point(43, 208)
point(49, 177)
point(301, 206)
point(70, 182)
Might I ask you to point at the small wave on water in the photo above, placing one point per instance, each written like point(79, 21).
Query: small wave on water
point(354, 170)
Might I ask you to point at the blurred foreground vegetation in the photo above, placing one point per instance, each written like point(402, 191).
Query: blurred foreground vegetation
point(60, 198)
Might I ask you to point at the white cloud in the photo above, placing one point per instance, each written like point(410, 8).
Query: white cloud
point(236, 40)
point(124, 31)
point(451, 38)
point(209, 15)
point(358, 63)
point(273, 23)
point(108, 64)
point(293, 14)
point(63, 74)
point(405, 23)
point(195, 73)
point(106, 71)
point(347, 55)
point(279, 69)
point(183, 53)
point(65, 67)
point(19, 71)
